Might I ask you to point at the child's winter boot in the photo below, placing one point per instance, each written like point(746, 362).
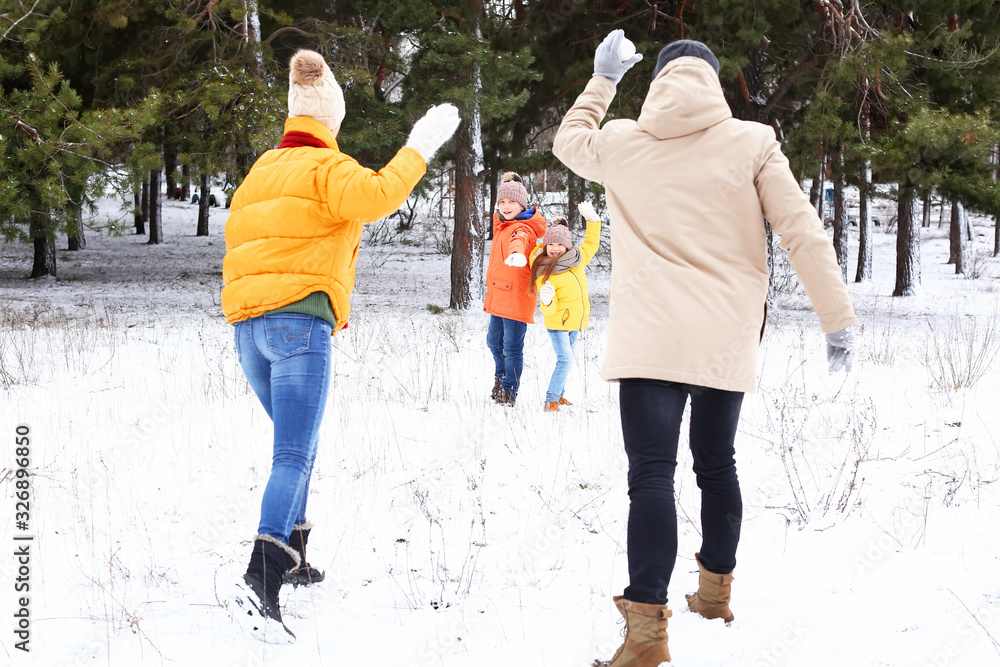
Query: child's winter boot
point(496, 388)
point(645, 642)
point(256, 604)
point(305, 574)
point(563, 401)
point(505, 397)
point(712, 598)
point(551, 406)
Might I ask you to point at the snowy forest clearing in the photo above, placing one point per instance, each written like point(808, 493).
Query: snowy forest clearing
point(457, 532)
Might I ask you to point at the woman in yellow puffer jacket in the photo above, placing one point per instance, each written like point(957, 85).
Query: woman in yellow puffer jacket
point(557, 271)
point(292, 241)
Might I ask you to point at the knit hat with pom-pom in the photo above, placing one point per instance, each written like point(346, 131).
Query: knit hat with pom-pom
point(558, 232)
point(511, 187)
point(313, 92)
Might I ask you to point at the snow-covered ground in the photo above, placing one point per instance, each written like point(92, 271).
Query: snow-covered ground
point(457, 532)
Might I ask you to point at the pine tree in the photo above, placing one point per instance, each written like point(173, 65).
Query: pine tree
point(56, 154)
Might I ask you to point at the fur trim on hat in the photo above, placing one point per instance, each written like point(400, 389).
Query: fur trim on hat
point(511, 187)
point(306, 68)
point(288, 550)
point(313, 91)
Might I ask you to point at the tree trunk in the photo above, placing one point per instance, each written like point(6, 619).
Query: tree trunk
point(840, 222)
point(185, 182)
point(575, 186)
point(203, 207)
point(155, 208)
point(44, 263)
point(820, 182)
point(144, 202)
point(996, 235)
point(140, 221)
point(996, 217)
point(750, 97)
point(494, 190)
point(170, 169)
point(77, 239)
point(926, 211)
point(956, 237)
point(865, 230)
point(467, 246)
point(74, 213)
point(907, 246)
point(769, 235)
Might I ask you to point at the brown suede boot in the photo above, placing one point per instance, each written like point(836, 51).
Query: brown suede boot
point(645, 642)
point(712, 598)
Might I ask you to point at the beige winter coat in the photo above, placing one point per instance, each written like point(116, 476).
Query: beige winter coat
point(688, 187)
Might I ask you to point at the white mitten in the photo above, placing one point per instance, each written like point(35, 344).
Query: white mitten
point(516, 259)
point(436, 127)
point(547, 293)
point(586, 209)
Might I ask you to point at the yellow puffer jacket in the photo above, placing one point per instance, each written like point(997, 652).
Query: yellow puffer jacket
point(295, 223)
point(570, 307)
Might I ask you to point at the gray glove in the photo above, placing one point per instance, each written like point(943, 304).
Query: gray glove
point(436, 127)
point(608, 60)
point(840, 350)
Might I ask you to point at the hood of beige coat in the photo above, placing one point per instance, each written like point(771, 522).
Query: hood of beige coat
point(685, 97)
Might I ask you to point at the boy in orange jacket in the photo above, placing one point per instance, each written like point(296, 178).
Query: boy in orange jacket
point(510, 301)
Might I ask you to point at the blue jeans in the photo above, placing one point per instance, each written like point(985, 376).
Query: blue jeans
point(286, 359)
point(564, 343)
point(651, 413)
point(506, 340)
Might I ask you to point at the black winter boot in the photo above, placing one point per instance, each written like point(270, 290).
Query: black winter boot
point(257, 602)
point(305, 574)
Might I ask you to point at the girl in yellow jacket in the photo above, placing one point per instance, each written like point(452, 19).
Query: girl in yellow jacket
point(557, 271)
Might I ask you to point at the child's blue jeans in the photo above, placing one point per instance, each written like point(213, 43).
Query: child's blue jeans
point(506, 341)
point(286, 359)
point(564, 343)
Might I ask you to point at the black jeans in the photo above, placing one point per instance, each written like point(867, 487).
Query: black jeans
point(651, 413)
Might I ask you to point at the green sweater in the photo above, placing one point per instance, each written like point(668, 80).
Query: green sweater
point(317, 304)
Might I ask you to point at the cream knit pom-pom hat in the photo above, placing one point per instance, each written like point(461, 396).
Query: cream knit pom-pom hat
point(313, 92)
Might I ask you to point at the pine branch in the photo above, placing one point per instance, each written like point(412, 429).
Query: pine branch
point(14, 24)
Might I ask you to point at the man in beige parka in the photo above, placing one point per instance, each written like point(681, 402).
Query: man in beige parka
point(688, 187)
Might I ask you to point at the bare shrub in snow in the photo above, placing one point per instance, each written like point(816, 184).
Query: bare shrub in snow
point(959, 354)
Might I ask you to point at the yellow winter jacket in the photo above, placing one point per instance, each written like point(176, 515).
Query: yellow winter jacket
point(570, 307)
point(295, 223)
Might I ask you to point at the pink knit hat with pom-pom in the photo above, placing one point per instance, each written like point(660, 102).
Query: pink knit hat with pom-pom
point(558, 232)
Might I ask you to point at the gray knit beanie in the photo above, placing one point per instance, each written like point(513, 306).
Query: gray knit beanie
point(559, 233)
point(685, 47)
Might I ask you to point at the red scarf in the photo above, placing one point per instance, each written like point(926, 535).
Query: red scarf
point(296, 139)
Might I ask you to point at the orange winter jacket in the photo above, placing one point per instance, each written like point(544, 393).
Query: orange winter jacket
point(508, 293)
point(295, 223)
